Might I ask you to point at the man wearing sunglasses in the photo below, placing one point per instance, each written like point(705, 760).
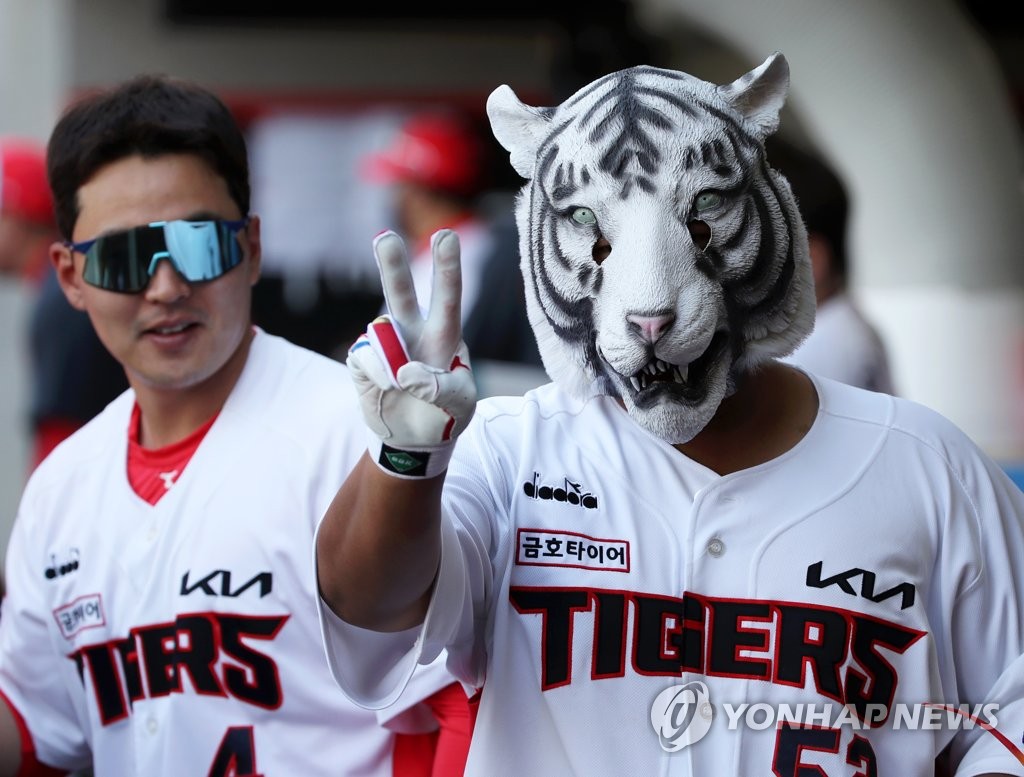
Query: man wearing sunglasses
point(160, 615)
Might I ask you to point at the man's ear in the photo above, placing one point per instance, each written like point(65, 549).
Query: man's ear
point(252, 239)
point(821, 265)
point(68, 277)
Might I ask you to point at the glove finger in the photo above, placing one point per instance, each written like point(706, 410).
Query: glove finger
point(415, 425)
point(451, 391)
point(431, 384)
point(396, 280)
point(456, 393)
point(442, 330)
point(448, 400)
point(456, 387)
point(387, 343)
point(461, 357)
point(419, 380)
point(367, 367)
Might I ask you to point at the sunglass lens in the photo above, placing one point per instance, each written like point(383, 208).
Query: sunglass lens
point(198, 250)
point(118, 262)
point(203, 250)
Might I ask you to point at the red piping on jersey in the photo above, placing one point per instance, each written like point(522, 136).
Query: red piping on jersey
point(30, 765)
point(145, 464)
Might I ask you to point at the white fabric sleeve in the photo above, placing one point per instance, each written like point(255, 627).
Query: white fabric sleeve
point(987, 624)
point(374, 668)
point(371, 667)
point(32, 671)
point(410, 714)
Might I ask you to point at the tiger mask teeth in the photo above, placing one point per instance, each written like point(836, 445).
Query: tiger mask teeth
point(659, 371)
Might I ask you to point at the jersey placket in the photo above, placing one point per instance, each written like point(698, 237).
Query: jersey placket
point(722, 540)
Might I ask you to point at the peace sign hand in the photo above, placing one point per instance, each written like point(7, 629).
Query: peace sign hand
point(412, 373)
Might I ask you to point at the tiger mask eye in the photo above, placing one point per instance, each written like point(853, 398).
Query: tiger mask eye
point(700, 230)
point(706, 201)
point(587, 218)
point(700, 233)
point(584, 216)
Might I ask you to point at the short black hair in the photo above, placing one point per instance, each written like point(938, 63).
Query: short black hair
point(820, 194)
point(149, 115)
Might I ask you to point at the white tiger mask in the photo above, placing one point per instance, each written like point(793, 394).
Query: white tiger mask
point(662, 256)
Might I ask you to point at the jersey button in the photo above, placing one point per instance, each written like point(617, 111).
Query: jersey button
point(716, 547)
point(151, 533)
point(152, 725)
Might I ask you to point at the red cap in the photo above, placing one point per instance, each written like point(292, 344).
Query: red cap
point(436, 150)
point(24, 189)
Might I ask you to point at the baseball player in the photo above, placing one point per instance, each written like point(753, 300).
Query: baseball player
point(160, 616)
point(681, 557)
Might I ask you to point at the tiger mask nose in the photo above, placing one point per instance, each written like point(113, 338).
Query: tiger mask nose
point(650, 328)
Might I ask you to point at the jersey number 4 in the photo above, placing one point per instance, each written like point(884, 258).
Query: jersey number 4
point(236, 756)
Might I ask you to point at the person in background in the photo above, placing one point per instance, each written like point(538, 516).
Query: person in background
point(160, 616)
point(844, 344)
point(72, 376)
point(436, 167)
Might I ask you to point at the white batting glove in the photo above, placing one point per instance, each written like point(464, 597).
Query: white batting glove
point(412, 373)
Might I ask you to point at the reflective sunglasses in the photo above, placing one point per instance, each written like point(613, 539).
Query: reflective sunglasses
point(126, 261)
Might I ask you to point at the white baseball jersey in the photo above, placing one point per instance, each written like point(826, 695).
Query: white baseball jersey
point(181, 638)
point(588, 568)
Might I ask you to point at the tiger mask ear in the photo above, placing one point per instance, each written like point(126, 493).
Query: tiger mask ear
point(758, 96)
point(518, 127)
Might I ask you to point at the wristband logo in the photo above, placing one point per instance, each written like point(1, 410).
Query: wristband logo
point(681, 715)
point(403, 462)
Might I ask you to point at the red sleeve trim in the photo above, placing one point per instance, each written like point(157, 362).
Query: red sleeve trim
point(413, 755)
point(440, 753)
point(30, 765)
point(456, 718)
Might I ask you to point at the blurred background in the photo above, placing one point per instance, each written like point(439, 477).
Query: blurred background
point(918, 104)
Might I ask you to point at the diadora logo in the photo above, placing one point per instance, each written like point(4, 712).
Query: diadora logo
point(264, 580)
point(569, 492)
point(63, 566)
point(867, 585)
